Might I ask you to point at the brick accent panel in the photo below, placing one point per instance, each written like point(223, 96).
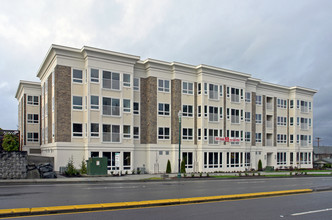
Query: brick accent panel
point(253, 118)
point(195, 113)
point(62, 103)
point(264, 121)
point(148, 110)
point(175, 108)
point(49, 107)
point(24, 113)
point(275, 121)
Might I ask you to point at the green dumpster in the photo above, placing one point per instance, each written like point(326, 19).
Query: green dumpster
point(97, 166)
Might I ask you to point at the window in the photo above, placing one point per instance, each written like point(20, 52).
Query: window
point(241, 115)
point(205, 111)
point(32, 137)
point(235, 135)
point(213, 133)
point(248, 98)
point(187, 88)
point(94, 102)
point(199, 88)
point(282, 103)
point(111, 133)
point(188, 159)
point(187, 110)
point(205, 134)
point(220, 113)
point(32, 100)
point(258, 100)
point(309, 106)
point(291, 121)
point(291, 139)
point(111, 106)
point(126, 80)
point(205, 89)
point(77, 102)
point(282, 121)
point(163, 109)
point(291, 103)
point(247, 136)
point(235, 95)
point(94, 74)
point(126, 160)
point(297, 139)
point(136, 84)
point(77, 76)
point(136, 132)
point(235, 119)
point(213, 91)
point(309, 122)
point(247, 116)
point(33, 118)
point(297, 121)
point(163, 85)
point(126, 131)
point(111, 80)
point(281, 138)
point(111, 165)
point(281, 158)
point(126, 105)
point(233, 159)
point(304, 107)
point(241, 92)
point(227, 91)
point(213, 114)
point(136, 108)
point(227, 113)
point(211, 160)
point(258, 137)
point(247, 159)
point(163, 133)
point(94, 129)
point(220, 90)
point(258, 118)
point(77, 130)
point(199, 134)
point(199, 111)
point(187, 134)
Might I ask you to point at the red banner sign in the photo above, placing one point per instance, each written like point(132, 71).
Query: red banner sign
point(227, 139)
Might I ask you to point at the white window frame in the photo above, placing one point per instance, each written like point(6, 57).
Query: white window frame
point(75, 79)
point(94, 134)
point(111, 80)
point(126, 109)
point(258, 100)
point(112, 108)
point(31, 119)
point(136, 134)
point(136, 86)
point(136, 110)
point(258, 118)
point(126, 83)
point(162, 133)
point(126, 135)
point(33, 100)
point(162, 109)
point(94, 79)
point(187, 137)
point(94, 106)
point(77, 134)
point(187, 113)
point(162, 85)
point(77, 106)
point(187, 90)
point(33, 139)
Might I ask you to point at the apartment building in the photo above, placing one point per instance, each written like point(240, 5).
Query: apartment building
point(29, 95)
point(100, 103)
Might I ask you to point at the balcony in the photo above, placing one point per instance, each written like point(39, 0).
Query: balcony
point(269, 106)
point(304, 126)
point(304, 109)
point(235, 119)
point(269, 124)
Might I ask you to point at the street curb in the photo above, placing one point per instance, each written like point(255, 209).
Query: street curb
point(139, 204)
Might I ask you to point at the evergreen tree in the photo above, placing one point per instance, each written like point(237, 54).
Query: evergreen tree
point(10, 143)
point(168, 168)
point(260, 166)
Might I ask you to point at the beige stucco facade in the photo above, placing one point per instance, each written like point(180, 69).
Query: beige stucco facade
point(96, 102)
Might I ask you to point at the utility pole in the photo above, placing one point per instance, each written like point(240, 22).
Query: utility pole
point(318, 140)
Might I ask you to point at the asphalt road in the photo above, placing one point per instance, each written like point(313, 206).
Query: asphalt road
point(27, 196)
point(317, 205)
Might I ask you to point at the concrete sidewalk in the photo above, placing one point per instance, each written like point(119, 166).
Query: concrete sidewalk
point(144, 177)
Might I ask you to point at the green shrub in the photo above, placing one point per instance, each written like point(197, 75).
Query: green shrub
point(200, 174)
point(168, 168)
point(10, 143)
point(83, 169)
point(70, 169)
point(183, 166)
point(260, 166)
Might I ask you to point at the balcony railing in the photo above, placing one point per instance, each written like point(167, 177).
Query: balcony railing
point(304, 109)
point(235, 119)
point(304, 126)
point(235, 98)
point(269, 142)
point(268, 124)
point(111, 110)
point(304, 143)
point(269, 106)
point(111, 84)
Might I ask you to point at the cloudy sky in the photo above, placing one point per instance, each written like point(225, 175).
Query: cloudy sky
point(284, 42)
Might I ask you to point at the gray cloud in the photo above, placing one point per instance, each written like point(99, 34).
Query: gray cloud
point(284, 42)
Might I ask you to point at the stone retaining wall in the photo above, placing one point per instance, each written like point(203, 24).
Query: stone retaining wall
point(13, 165)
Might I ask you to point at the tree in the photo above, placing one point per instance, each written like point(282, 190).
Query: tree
point(260, 166)
point(183, 166)
point(168, 168)
point(10, 143)
point(83, 169)
point(70, 169)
